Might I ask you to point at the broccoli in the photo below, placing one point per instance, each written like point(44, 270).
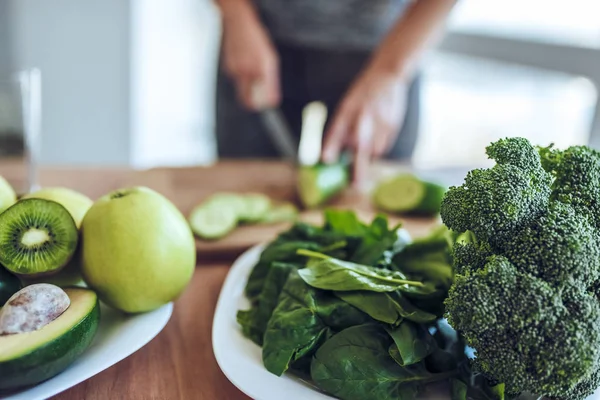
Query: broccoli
point(468, 254)
point(577, 177)
point(493, 202)
point(558, 234)
point(526, 293)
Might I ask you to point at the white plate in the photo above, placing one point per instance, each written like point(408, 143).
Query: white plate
point(240, 359)
point(118, 337)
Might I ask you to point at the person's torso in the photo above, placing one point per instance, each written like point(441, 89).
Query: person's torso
point(331, 24)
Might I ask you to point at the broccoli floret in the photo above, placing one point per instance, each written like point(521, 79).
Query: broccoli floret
point(493, 202)
point(469, 254)
point(583, 389)
point(577, 173)
point(524, 334)
point(560, 247)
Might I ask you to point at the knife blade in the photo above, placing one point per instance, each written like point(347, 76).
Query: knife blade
point(280, 132)
point(275, 123)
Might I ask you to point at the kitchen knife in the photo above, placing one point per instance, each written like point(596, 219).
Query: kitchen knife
point(280, 132)
point(275, 123)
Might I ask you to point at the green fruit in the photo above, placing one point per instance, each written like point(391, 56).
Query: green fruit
point(37, 237)
point(9, 285)
point(69, 275)
point(8, 197)
point(30, 358)
point(139, 252)
point(76, 203)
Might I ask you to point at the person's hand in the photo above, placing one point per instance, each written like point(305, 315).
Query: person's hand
point(250, 58)
point(368, 119)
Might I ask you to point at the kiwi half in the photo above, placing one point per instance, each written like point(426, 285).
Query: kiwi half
point(37, 237)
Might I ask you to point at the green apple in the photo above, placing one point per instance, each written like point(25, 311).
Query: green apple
point(76, 203)
point(139, 252)
point(8, 197)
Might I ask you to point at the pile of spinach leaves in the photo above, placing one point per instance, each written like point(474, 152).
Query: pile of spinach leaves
point(358, 310)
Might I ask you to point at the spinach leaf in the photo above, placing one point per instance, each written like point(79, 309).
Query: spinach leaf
point(286, 251)
point(458, 390)
point(429, 258)
point(345, 222)
point(451, 355)
point(377, 240)
point(412, 343)
point(371, 241)
point(390, 308)
point(355, 365)
point(303, 319)
point(325, 272)
point(378, 305)
point(254, 321)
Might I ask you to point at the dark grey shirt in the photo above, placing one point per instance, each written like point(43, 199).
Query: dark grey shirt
point(331, 24)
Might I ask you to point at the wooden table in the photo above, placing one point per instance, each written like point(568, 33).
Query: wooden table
point(179, 363)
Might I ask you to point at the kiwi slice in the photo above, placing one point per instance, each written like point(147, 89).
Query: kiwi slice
point(37, 237)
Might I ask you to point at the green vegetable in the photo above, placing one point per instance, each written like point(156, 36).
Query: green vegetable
point(42, 354)
point(222, 212)
point(528, 268)
point(406, 193)
point(302, 320)
point(285, 212)
point(391, 308)
point(255, 208)
point(355, 364)
point(9, 285)
point(213, 220)
point(355, 309)
point(319, 183)
point(324, 272)
point(412, 343)
point(254, 321)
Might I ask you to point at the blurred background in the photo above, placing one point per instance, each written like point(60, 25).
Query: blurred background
point(131, 82)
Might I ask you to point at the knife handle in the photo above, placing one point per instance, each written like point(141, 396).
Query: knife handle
point(314, 115)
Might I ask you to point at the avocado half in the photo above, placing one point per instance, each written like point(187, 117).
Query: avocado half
point(27, 359)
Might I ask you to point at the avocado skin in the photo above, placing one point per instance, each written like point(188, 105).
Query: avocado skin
point(52, 358)
point(9, 285)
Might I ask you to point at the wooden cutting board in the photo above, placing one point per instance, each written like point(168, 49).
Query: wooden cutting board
point(191, 186)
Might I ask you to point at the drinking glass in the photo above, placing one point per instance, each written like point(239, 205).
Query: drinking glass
point(20, 122)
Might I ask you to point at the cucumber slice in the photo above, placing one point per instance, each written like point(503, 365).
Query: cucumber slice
point(407, 193)
point(284, 212)
point(319, 183)
point(256, 206)
point(213, 220)
point(228, 200)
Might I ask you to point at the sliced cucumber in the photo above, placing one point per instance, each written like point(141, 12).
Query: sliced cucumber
point(228, 200)
point(319, 183)
point(284, 212)
point(213, 220)
point(256, 206)
point(406, 193)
